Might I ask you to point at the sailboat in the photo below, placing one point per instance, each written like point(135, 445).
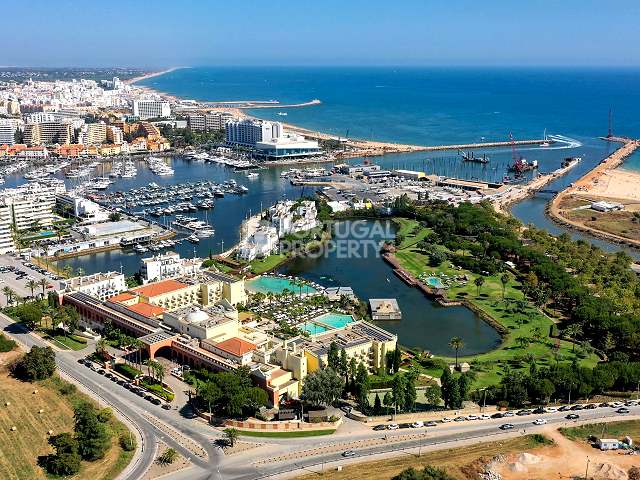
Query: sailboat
point(545, 143)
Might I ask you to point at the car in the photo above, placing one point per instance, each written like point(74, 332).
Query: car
point(393, 426)
point(418, 424)
point(550, 409)
point(539, 410)
point(471, 417)
point(623, 410)
point(484, 416)
point(506, 426)
point(81, 361)
point(591, 406)
point(122, 383)
point(128, 386)
point(497, 415)
point(102, 371)
point(149, 397)
point(377, 428)
point(348, 453)
point(616, 404)
point(114, 379)
point(605, 404)
point(522, 413)
point(459, 419)
point(140, 393)
point(564, 408)
point(577, 406)
point(167, 406)
point(156, 401)
point(430, 424)
point(572, 416)
point(508, 414)
point(405, 425)
point(539, 421)
point(631, 403)
point(447, 420)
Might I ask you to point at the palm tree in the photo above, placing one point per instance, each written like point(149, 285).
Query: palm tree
point(159, 372)
point(231, 434)
point(67, 271)
point(80, 272)
point(504, 279)
point(9, 294)
point(44, 285)
point(457, 343)
point(32, 285)
point(101, 347)
point(479, 281)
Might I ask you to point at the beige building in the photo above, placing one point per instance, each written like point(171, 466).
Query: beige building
point(170, 294)
point(216, 323)
point(93, 134)
point(46, 133)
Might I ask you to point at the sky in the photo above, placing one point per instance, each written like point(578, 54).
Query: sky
point(165, 33)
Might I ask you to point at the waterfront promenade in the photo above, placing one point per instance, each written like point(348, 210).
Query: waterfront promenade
point(604, 182)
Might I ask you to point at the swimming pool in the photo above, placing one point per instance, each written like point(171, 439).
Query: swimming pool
point(435, 282)
point(312, 328)
point(335, 320)
point(270, 284)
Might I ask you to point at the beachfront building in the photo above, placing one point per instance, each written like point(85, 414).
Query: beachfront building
point(167, 265)
point(205, 122)
point(98, 285)
point(8, 128)
point(144, 109)
point(268, 140)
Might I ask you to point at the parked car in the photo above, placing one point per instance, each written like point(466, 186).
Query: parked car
point(539, 421)
point(166, 406)
point(572, 416)
point(418, 424)
point(623, 410)
point(509, 414)
point(446, 419)
point(484, 417)
point(564, 408)
point(539, 410)
point(459, 419)
point(348, 453)
point(430, 424)
point(497, 415)
point(550, 409)
point(506, 426)
point(471, 417)
point(393, 426)
point(156, 401)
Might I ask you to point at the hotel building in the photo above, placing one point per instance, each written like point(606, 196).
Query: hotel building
point(98, 285)
point(93, 134)
point(6, 236)
point(144, 109)
point(47, 132)
point(268, 139)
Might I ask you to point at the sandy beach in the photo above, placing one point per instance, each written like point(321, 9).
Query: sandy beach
point(133, 80)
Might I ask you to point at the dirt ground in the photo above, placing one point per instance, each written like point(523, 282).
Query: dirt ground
point(566, 460)
point(157, 470)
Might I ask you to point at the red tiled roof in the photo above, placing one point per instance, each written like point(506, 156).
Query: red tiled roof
point(121, 297)
point(146, 309)
point(159, 288)
point(236, 346)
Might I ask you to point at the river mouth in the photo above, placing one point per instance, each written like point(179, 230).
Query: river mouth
point(354, 260)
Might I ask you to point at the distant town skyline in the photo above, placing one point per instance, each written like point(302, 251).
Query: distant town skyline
point(72, 33)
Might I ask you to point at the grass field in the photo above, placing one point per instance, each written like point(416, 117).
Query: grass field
point(296, 434)
point(528, 322)
point(454, 461)
point(607, 429)
point(19, 450)
point(262, 265)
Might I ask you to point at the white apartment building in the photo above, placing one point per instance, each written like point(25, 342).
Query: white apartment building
point(291, 217)
point(8, 127)
point(269, 139)
point(6, 237)
point(261, 243)
point(168, 265)
point(30, 205)
point(82, 208)
point(99, 285)
point(144, 109)
point(249, 132)
point(201, 122)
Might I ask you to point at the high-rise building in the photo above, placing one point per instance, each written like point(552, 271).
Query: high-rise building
point(93, 134)
point(144, 109)
point(114, 135)
point(200, 122)
point(6, 237)
point(249, 132)
point(7, 131)
point(268, 139)
point(30, 205)
point(46, 133)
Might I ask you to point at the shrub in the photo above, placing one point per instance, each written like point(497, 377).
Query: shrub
point(169, 456)
point(67, 388)
point(128, 442)
point(127, 370)
point(39, 363)
point(105, 415)
point(6, 344)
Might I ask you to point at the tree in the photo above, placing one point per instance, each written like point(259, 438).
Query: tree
point(39, 363)
point(344, 365)
point(101, 348)
point(256, 398)
point(432, 395)
point(115, 217)
point(398, 391)
point(504, 280)
point(522, 341)
point(396, 360)
point(478, 282)
point(456, 343)
point(210, 393)
point(333, 356)
point(387, 400)
point(322, 387)
point(410, 393)
point(66, 460)
point(44, 285)
point(231, 435)
point(9, 294)
point(428, 473)
point(362, 387)
point(92, 435)
point(377, 404)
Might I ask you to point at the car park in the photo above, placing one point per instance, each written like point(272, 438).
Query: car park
point(572, 416)
point(539, 421)
point(348, 453)
point(506, 426)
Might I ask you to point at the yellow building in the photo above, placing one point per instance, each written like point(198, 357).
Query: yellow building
point(110, 149)
point(170, 294)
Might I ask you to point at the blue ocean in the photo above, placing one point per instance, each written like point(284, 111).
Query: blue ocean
point(428, 105)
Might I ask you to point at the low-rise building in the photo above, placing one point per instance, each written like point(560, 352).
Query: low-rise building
point(235, 349)
point(98, 285)
point(168, 265)
point(385, 309)
point(216, 322)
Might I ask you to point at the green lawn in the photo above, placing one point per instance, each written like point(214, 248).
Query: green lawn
point(609, 430)
point(71, 342)
point(527, 322)
point(262, 265)
point(295, 434)
point(411, 231)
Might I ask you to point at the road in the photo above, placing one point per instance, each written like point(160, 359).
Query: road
point(194, 439)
